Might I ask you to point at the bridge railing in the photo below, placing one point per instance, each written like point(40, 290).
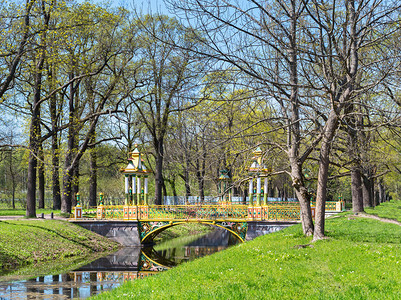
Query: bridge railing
point(272, 211)
point(332, 206)
point(199, 212)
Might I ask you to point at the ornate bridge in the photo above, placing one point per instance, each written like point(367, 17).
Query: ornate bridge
point(234, 218)
point(153, 219)
point(150, 220)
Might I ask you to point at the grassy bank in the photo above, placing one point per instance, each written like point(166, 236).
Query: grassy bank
point(390, 210)
point(21, 212)
point(26, 242)
point(190, 229)
point(360, 260)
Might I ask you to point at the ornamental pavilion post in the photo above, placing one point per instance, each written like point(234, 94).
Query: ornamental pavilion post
point(127, 196)
point(133, 180)
point(138, 190)
point(224, 180)
point(250, 204)
point(259, 170)
point(100, 209)
point(265, 191)
point(78, 208)
point(145, 191)
point(258, 189)
point(134, 172)
point(250, 192)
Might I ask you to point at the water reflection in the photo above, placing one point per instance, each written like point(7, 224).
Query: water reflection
point(109, 272)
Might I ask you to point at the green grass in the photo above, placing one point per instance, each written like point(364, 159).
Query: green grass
point(28, 241)
point(360, 260)
point(189, 229)
point(390, 210)
point(22, 212)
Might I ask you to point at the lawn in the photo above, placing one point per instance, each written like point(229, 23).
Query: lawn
point(390, 210)
point(29, 241)
point(361, 259)
point(22, 212)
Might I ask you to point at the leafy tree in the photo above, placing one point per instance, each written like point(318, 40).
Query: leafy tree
point(168, 73)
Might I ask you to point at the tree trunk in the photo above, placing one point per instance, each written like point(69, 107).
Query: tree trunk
point(32, 164)
point(75, 185)
point(377, 198)
point(199, 177)
point(304, 199)
point(55, 172)
point(55, 142)
point(41, 178)
point(356, 190)
point(164, 190)
point(34, 148)
point(186, 177)
point(294, 132)
point(13, 181)
point(367, 191)
point(66, 202)
point(159, 172)
point(93, 178)
point(324, 161)
point(68, 177)
point(34, 135)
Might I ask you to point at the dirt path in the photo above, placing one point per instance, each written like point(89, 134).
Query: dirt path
point(364, 215)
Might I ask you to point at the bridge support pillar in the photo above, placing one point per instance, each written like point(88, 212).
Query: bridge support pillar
point(257, 213)
point(101, 212)
point(250, 213)
point(130, 212)
point(144, 212)
point(78, 212)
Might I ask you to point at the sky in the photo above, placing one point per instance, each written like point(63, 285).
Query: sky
point(144, 5)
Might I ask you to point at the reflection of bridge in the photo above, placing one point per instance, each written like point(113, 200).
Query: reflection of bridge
point(150, 220)
point(130, 259)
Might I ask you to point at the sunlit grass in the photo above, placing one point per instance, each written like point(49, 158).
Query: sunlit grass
point(27, 242)
point(189, 229)
point(22, 212)
point(360, 260)
point(390, 210)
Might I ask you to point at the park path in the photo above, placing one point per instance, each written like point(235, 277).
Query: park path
point(365, 215)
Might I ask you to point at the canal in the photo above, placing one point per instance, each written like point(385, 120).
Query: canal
point(105, 273)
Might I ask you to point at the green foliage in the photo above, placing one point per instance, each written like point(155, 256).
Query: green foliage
point(27, 242)
point(360, 261)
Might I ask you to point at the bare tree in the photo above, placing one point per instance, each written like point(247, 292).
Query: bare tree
point(10, 58)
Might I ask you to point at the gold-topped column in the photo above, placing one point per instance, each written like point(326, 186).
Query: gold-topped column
point(145, 191)
point(258, 189)
point(265, 191)
point(126, 189)
point(134, 202)
point(251, 192)
point(138, 192)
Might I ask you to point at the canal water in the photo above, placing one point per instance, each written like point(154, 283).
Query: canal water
point(111, 271)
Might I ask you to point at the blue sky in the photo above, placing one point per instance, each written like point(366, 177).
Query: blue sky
point(144, 5)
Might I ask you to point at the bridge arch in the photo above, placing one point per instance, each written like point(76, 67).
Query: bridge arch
point(148, 230)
